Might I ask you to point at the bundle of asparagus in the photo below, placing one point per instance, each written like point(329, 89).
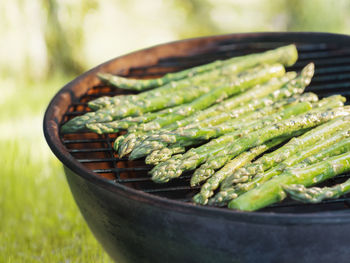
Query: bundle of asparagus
point(231, 112)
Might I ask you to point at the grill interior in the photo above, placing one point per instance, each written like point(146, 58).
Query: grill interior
point(332, 76)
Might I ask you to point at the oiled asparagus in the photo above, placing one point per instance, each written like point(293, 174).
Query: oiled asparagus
point(294, 159)
point(286, 55)
point(242, 82)
point(154, 103)
point(127, 123)
point(207, 190)
point(208, 168)
point(316, 152)
point(272, 190)
point(317, 194)
point(164, 154)
point(194, 157)
point(218, 113)
point(269, 160)
point(207, 129)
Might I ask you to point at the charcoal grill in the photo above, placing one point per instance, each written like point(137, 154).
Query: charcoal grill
point(137, 220)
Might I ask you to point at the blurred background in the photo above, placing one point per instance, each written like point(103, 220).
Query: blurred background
point(46, 43)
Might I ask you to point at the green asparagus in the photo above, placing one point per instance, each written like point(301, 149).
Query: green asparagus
point(154, 103)
point(208, 168)
point(269, 160)
point(286, 55)
point(244, 81)
point(126, 123)
point(164, 154)
point(218, 113)
point(295, 160)
point(240, 83)
point(194, 157)
point(207, 190)
point(272, 190)
point(191, 136)
point(317, 194)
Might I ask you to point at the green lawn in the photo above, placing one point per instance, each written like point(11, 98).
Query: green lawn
point(39, 221)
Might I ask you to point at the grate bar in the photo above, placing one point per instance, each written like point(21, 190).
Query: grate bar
point(102, 160)
point(66, 141)
point(169, 189)
point(89, 150)
point(127, 169)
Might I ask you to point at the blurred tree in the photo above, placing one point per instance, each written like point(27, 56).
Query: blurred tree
point(313, 15)
point(64, 34)
point(197, 19)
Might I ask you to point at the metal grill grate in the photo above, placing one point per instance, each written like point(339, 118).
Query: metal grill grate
point(96, 152)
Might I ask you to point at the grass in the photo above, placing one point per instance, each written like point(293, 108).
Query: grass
point(39, 221)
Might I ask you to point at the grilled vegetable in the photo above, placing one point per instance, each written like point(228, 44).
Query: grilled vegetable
point(205, 130)
point(272, 190)
point(269, 160)
point(126, 123)
point(208, 168)
point(286, 55)
point(216, 114)
point(329, 138)
point(190, 160)
point(207, 190)
point(317, 194)
point(237, 84)
point(227, 86)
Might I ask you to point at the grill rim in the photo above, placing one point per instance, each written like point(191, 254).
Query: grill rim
point(77, 87)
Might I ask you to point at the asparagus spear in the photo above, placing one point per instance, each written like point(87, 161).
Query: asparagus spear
point(163, 154)
point(231, 192)
point(294, 159)
point(207, 169)
point(272, 190)
point(286, 55)
point(336, 149)
point(154, 103)
point(194, 157)
point(213, 182)
point(290, 87)
point(187, 137)
point(204, 130)
point(214, 113)
point(172, 87)
point(240, 83)
point(300, 193)
point(245, 80)
point(269, 160)
point(127, 123)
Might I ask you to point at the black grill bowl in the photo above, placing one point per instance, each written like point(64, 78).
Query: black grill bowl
point(137, 221)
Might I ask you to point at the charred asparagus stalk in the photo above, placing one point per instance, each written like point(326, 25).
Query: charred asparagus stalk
point(194, 157)
point(272, 190)
point(286, 55)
